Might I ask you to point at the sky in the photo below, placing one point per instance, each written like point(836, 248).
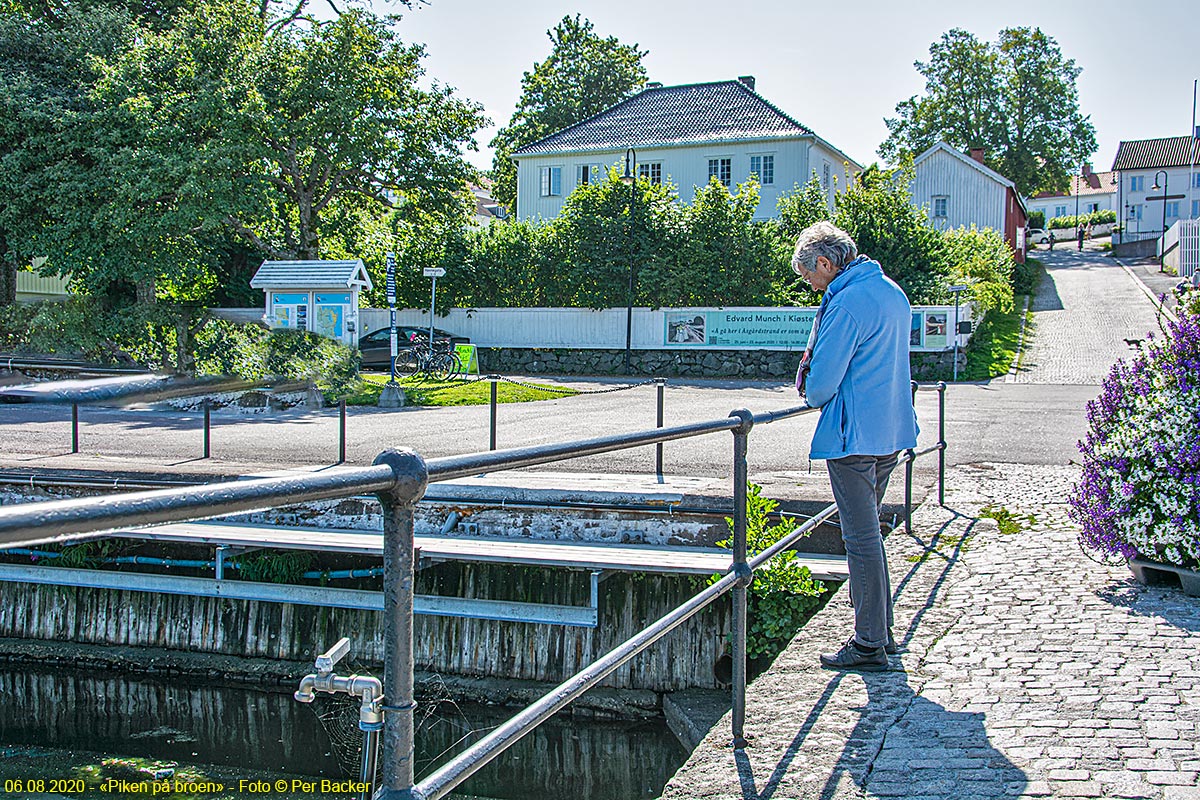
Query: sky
point(837, 67)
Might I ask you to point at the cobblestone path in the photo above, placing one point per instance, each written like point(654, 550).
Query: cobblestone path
point(1027, 670)
point(1084, 310)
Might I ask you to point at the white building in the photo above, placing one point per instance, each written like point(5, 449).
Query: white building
point(1158, 184)
point(1088, 192)
point(958, 190)
point(683, 135)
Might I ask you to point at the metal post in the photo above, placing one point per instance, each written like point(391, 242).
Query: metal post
point(630, 177)
point(956, 294)
point(207, 429)
point(411, 476)
point(941, 387)
point(74, 427)
point(908, 475)
point(342, 431)
point(370, 756)
point(741, 436)
point(492, 422)
point(658, 448)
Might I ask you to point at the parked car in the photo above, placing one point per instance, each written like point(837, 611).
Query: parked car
point(1036, 236)
point(376, 347)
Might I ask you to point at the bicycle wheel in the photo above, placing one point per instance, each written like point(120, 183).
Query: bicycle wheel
point(408, 362)
point(444, 366)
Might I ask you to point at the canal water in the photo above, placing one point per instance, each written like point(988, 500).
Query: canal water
point(257, 730)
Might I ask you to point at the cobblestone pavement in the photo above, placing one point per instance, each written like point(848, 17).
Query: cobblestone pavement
point(1027, 670)
point(1085, 309)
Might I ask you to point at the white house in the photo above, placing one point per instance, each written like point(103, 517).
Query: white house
point(1088, 192)
point(1158, 184)
point(959, 190)
point(317, 296)
point(683, 135)
point(487, 210)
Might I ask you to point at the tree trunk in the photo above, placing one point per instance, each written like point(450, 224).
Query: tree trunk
point(8, 275)
point(146, 292)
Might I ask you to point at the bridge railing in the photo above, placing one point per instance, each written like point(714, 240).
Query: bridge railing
point(399, 478)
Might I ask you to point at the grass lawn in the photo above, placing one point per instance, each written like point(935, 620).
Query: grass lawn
point(994, 344)
point(459, 392)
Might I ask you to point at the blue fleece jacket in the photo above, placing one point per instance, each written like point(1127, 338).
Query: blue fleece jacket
point(860, 376)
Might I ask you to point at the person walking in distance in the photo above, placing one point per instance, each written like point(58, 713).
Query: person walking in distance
point(856, 370)
point(1080, 235)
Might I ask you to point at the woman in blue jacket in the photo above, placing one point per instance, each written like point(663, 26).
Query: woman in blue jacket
point(856, 371)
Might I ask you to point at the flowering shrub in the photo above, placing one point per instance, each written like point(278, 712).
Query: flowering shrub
point(1140, 490)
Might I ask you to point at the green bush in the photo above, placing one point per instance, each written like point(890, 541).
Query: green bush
point(253, 353)
point(1037, 219)
point(984, 261)
point(784, 594)
point(1094, 218)
point(84, 328)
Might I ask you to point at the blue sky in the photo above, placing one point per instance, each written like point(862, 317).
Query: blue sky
point(838, 67)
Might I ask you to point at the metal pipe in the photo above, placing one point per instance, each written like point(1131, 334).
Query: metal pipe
point(410, 477)
point(466, 764)
point(451, 522)
point(941, 388)
point(492, 414)
point(658, 448)
point(207, 429)
point(370, 757)
point(741, 436)
point(87, 517)
point(908, 479)
point(74, 427)
point(342, 431)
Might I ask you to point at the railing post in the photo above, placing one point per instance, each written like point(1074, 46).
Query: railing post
point(492, 412)
point(741, 437)
point(941, 387)
point(398, 578)
point(342, 431)
point(913, 386)
point(207, 429)
point(658, 448)
point(908, 476)
point(74, 427)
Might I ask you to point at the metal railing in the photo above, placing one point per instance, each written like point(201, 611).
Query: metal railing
point(399, 479)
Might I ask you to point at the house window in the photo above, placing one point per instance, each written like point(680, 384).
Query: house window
point(939, 206)
point(1196, 209)
point(586, 174)
point(1060, 211)
point(1135, 211)
point(1137, 183)
point(721, 169)
point(1172, 209)
point(825, 177)
point(551, 181)
point(1092, 208)
point(652, 171)
point(1196, 180)
point(764, 168)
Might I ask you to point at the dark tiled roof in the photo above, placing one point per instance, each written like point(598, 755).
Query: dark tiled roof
point(667, 115)
point(1156, 153)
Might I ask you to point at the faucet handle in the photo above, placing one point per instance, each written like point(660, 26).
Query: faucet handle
point(327, 660)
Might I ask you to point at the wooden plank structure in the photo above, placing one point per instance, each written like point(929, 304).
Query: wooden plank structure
point(522, 551)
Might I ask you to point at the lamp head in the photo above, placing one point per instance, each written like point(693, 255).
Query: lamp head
point(630, 162)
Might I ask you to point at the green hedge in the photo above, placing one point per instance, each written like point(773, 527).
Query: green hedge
point(1094, 218)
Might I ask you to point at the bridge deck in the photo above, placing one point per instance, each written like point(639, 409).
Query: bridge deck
point(531, 552)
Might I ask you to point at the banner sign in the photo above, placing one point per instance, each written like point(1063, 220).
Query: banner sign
point(468, 357)
point(748, 328)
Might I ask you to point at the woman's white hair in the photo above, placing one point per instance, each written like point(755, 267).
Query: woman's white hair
point(823, 239)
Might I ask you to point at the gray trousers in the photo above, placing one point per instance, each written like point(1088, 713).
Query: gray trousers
point(858, 486)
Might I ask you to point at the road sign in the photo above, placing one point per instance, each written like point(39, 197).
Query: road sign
point(391, 278)
point(959, 287)
point(434, 272)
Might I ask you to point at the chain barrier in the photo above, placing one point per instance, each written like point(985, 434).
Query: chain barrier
point(549, 389)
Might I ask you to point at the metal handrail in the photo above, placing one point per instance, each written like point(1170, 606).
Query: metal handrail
point(399, 478)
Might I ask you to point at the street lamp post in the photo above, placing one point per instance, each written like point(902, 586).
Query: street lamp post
point(630, 178)
point(1154, 188)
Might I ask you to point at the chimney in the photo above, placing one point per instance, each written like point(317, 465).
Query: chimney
point(1087, 168)
point(977, 154)
point(747, 81)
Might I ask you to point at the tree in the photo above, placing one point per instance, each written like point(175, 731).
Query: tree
point(583, 75)
point(1015, 98)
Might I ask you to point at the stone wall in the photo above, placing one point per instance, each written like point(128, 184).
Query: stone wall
point(778, 364)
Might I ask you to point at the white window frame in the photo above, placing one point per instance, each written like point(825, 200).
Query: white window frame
point(827, 177)
point(721, 168)
point(1196, 209)
point(1172, 209)
point(763, 165)
point(944, 199)
point(1092, 208)
point(1059, 211)
point(1137, 183)
point(587, 174)
point(652, 171)
point(550, 180)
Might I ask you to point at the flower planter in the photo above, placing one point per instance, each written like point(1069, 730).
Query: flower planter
point(1152, 572)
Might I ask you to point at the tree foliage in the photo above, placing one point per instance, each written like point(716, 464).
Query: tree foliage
point(583, 75)
point(1015, 98)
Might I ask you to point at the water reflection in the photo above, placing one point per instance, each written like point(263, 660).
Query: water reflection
point(185, 721)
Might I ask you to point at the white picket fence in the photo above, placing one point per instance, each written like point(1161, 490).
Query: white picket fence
point(1179, 247)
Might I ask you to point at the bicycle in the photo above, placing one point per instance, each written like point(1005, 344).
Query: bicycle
point(439, 362)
